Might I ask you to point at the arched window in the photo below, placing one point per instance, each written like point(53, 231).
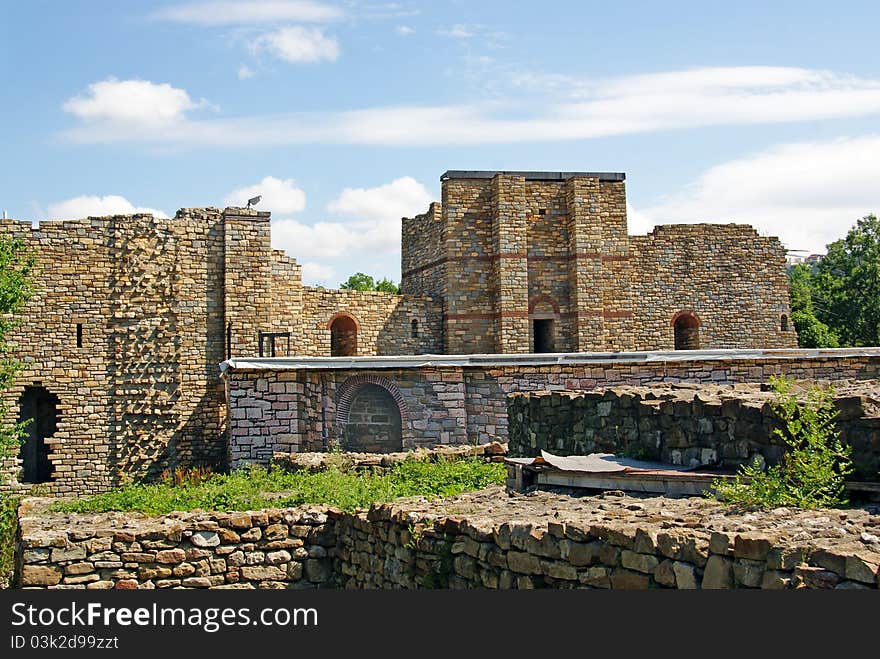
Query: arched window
point(343, 336)
point(686, 328)
point(414, 328)
point(40, 406)
point(783, 323)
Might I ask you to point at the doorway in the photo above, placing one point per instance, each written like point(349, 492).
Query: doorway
point(545, 335)
point(40, 406)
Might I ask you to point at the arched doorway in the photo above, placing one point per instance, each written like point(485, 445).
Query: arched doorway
point(40, 406)
point(686, 329)
point(374, 423)
point(343, 336)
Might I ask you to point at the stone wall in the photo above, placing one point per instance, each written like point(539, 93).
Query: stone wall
point(686, 425)
point(263, 549)
point(131, 317)
point(542, 541)
point(125, 328)
point(505, 249)
point(732, 280)
point(303, 406)
point(384, 322)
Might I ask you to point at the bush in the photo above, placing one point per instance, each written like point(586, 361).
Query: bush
point(255, 488)
point(813, 469)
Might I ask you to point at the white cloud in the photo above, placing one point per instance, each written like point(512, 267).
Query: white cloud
point(281, 196)
point(404, 30)
point(808, 194)
point(317, 273)
point(245, 72)
point(375, 231)
point(298, 44)
point(632, 104)
point(308, 242)
point(403, 197)
point(95, 206)
point(239, 12)
point(132, 103)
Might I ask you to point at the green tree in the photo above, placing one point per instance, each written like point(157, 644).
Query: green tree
point(16, 266)
point(387, 286)
point(359, 282)
point(812, 332)
point(363, 282)
point(848, 282)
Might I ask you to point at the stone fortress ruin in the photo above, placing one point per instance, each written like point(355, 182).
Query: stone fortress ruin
point(514, 281)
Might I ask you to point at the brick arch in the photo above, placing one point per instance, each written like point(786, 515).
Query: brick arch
point(535, 301)
point(344, 314)
point(686, 330)
point(686, 312)
point(348, 389)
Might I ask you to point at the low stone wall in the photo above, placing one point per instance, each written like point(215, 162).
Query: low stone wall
point(484, 539)
point(278, 548)
point(683, 424)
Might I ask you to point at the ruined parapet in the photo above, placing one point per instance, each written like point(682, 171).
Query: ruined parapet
point(683, 424)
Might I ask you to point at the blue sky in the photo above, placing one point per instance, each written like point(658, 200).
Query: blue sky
point(343, 115)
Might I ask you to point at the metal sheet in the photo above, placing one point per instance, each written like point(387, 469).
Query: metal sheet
point(597, 463)
point(488, 360)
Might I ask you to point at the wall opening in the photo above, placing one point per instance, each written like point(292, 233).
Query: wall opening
point(545, 334)
point(686, 328)
point(783, 323)
point(343, 337)
point(274, 344)
point(414, 328)
point(374, 424)
point(40, 405)
point(79, 335)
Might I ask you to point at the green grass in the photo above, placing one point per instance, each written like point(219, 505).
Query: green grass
point(253, 489)
point(8, 527)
